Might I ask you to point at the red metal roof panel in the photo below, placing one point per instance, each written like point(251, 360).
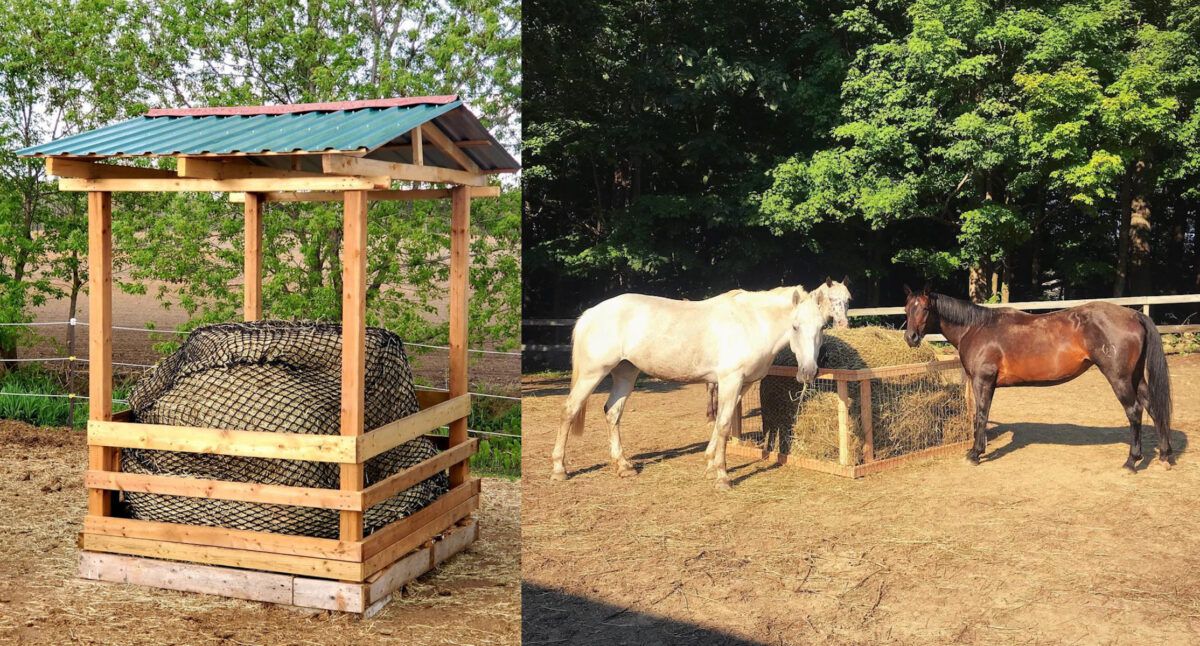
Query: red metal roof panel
point(293, 108)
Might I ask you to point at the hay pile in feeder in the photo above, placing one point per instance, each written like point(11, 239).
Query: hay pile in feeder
point(910, 413)
point(282, 377)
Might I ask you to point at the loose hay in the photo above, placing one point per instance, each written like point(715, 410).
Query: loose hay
point(909, 413)
point(282, 377)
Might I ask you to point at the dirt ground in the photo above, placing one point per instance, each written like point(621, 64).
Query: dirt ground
point(470, 599)
point(1049, 541)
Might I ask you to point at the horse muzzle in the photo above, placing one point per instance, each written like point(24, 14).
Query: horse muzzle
point(912, 339)
point(806, 375)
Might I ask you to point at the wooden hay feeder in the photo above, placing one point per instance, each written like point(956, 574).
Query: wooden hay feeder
point(349, 152)
point(849, 426)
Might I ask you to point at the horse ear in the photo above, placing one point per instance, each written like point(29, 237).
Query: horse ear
point(795, 298)
point(819, 298)
point(928, 287)
point(828, 281)
point(846, 280)
point(907, 290)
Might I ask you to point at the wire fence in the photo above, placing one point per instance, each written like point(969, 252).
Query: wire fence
point(502, 462)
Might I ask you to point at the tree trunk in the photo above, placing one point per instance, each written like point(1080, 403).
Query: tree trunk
point(1139, 246)
point(977, 284)
point(995, 281)
point(1006, 279)
point(1126, 206)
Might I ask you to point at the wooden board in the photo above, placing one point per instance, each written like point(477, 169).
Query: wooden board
point(252, 258)
point(399, 195)
point(239, 539)
point(413, 426)
point(354, 343)
point(100, 458)
point(248, 559)
point(60, 167)
point(460, 263)
point(258, 185)
point(900, 460)
point(386, 537)
point(284, 589)
point(751, 451)
point(224, 490)
point(398, 482)
point(344, 165)
point(931, 367)
point(251, 444)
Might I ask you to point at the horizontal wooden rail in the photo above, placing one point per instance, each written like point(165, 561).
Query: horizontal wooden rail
point(423, 470)
point(382, 539)
point(903, 370)
point(411, 427)
point(400, 195)
point(307, 546)
point(1171, 299)
point(230, 557)
point(225, 490)
point(420, 529)
point(250, 444)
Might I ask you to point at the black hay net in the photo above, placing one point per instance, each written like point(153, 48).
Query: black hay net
point(282, 377)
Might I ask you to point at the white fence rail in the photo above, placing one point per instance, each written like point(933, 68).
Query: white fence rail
point(1130, 301)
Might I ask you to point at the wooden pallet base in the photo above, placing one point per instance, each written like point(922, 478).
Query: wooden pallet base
point(366, 598)
point(845, 471)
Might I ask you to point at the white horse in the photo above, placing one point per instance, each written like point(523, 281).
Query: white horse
point(834, 308)
point(729, 339)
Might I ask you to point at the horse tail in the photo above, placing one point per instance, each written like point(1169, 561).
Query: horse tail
point(581, 412)
point(1158, 377)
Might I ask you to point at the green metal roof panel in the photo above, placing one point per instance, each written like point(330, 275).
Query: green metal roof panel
point(305, 131)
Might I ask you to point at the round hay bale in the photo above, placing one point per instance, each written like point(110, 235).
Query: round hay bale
point(282, 377)
point(909, 413)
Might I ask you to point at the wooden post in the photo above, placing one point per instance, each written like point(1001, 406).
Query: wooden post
point(1146, 309)
point(252, 293)
point(100, 339)
point(868, 423)
point(460, 240)
point(843, 392)
point(418, 147)
point(354, 336)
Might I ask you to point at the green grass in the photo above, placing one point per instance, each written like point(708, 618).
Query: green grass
point(36, 396)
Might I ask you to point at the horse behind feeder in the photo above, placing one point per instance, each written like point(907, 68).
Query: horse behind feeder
point(1008, 347)
point(729, 339)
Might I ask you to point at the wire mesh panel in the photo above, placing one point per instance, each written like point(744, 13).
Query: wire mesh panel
point(273, 376)
point(918, 412)
point(906, 413)
point(783, 416)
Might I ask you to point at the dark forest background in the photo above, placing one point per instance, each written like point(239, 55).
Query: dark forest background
point(1006, 150)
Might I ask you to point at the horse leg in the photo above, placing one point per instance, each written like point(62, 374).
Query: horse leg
point(983, 386)
point(1133, 402)
point(1164, 434)
point(624, 376)
point(730, 391)
point(710, 452)
point(573, 412)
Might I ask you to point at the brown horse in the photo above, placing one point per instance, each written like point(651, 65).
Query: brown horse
point(1007, 347)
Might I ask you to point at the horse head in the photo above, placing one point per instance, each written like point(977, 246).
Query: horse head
point(807, 320)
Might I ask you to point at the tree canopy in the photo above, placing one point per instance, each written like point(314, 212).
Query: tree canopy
point(1004, 149)
point(66, 67)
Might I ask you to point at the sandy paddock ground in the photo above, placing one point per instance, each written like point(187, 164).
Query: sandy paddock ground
point(470, 599)
point(1049, 541)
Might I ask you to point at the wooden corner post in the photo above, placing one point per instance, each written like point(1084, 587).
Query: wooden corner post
point(252, 293)
point(460, 240)
point(843, 394)
point(354, 337)
point(100, 458)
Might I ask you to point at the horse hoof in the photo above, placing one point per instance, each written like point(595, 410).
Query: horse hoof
point(558, 476)
point(1131, 466)
point(972, 459)
point(626, 472)
point(724, 485)
point(1166, 464)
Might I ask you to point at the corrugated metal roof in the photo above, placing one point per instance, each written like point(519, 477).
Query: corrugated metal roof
point(267, 129)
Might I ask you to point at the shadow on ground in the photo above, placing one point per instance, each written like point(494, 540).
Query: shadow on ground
point(1026, 434)
point(552, 616)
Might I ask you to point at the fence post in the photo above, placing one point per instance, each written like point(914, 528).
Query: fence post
point(865, 407)
point(843, 392)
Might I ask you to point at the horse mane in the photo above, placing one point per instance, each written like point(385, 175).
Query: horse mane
point(960, 312)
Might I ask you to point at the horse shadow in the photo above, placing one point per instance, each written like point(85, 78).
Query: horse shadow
point(1026, 434)
point(640, 459)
